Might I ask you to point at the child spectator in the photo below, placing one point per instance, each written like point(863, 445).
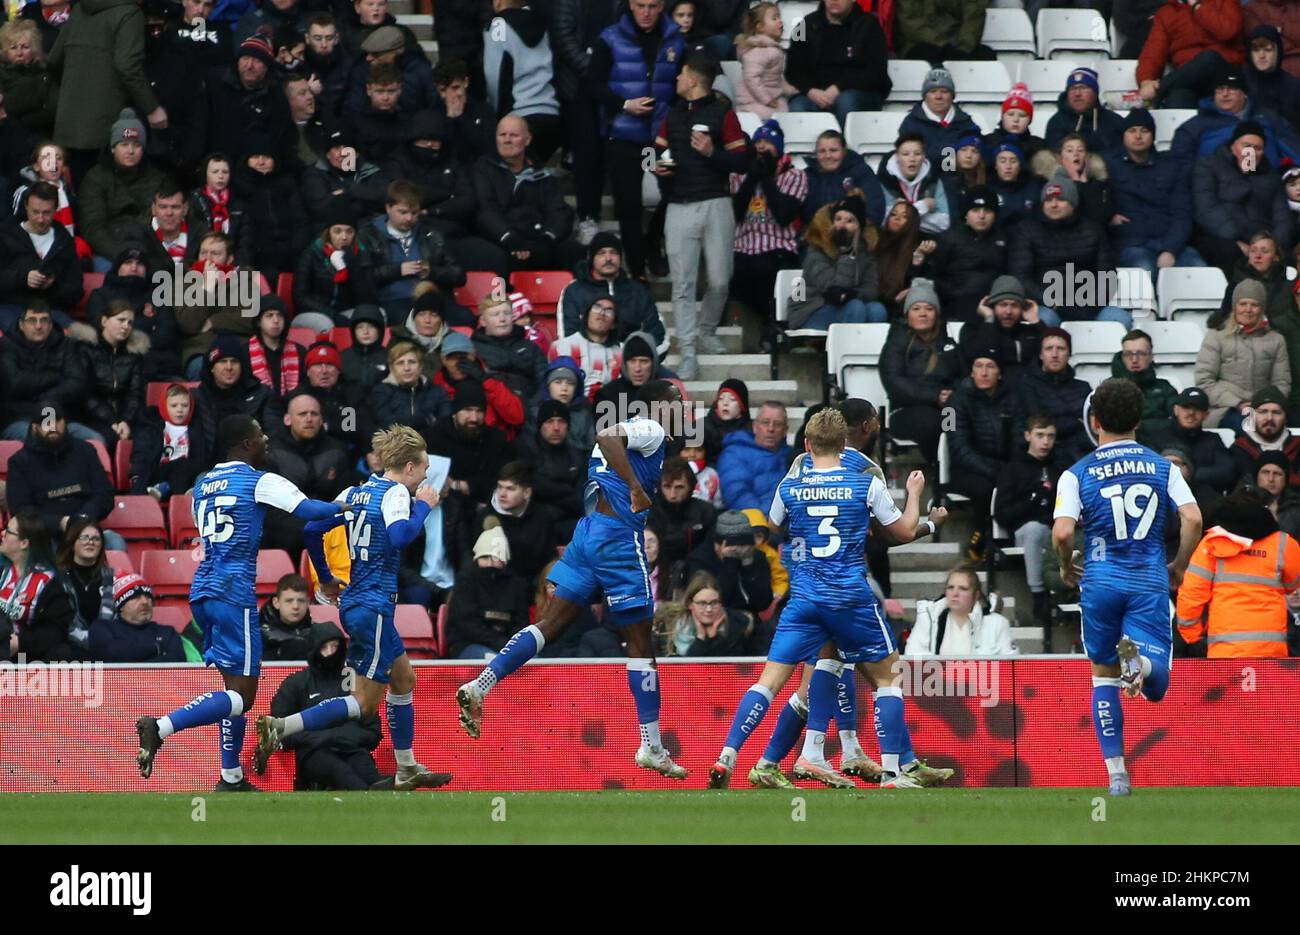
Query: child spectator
point(1026, 496)
point(165, 457)
point(763, 90)
point(1013, 125)
point(1016, 187)
point(365, 361)
point(1086, 169)
point(521, 312)
point(708, 485)
point(563, 380)
point(216, 208)
point(684, 14)
point(286, 620)
point(273, 359)
point(333, 274)
point(910, 175)
point(729, 413)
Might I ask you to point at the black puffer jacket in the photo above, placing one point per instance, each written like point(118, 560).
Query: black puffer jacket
point(519, 362)
point(1228, 203)
point(913, 370)
point(34, 373)
point(277, 222)
point(248, 397)
point(447, 194)
point(314, 288)
point(682, 527)
point(114, 378)
point(980, 442)
point(964, 264)
point(1102, 130)
point(420, 406)
point(1061, 396)
point(364, 188)
point(364, 365)
point(317, 466)
point(235, 112)
point(1026, 491)
point(519, 208)
point(60, 480)
point(157, 323)
point(560, 473)
point(1041, 250)
point(489, 605)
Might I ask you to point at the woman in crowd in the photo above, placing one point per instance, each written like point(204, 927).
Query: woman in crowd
point(703, 627)
point(918, 366)
point(333, 275)
point(114, 367)
point(1087, 171)
point(84, 565)
point(37, 610)
point(899, 254)
point(1240, 357)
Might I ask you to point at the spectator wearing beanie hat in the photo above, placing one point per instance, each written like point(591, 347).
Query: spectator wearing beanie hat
point(980, 442)
point(969, 256)
point(731, 556)
point(1197, 43)
point(462, 370)
point(1064, 260)
point(1272, 472)
point(1013, 125)
point(1241, 357)
point(1008, 322)
point(1150, 197)
point(1217, 121)
point(919, 368)
point(563, 383)
point(939, 122)
point(342, 174)
point(477, 451)
point(1079, 110)
point(333, 273)
point(277, 220)
point(941, 30)
point(1072, 159)
point(132, 636)
point(729, 413)
point(604, 271)
point(244, 99)
point(1265, 429)
point(840, 64)
point(1052, 388)
point(841, 282)
point(116, 196)
point(323, 366)
point(639, 365)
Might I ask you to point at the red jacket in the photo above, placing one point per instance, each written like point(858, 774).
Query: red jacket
point(505, 409)
point(1179, 34)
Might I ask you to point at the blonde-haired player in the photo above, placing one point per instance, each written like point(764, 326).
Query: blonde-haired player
point(384, 519)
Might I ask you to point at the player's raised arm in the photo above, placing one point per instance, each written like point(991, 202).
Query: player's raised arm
point(1189, 526)
point(283, 494)
point(897, 528)
point(403, 516)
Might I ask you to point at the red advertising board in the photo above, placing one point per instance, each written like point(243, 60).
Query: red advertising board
point(572, 726)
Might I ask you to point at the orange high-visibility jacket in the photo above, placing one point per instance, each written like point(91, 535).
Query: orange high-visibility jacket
point(1240, 586)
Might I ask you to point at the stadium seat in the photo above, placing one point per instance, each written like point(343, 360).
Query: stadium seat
point(1176, 345)
point(542, 287)
point(122, 464)
point(853, 359)
point(139, 520)
point(272, 565)
point(1008, 30)
point(979, 82)
point(801, 130)
point(1072, 31)
point(170, 572)
point(120, 562)
point(735, 75)
point(284, 289)
point(986, 116)
point(104, 460)
point(787, 282)
point(749, 121)
point(872, 131)
point(1038, 122)
point(1184, 289)
point(7, 450)
point(155, 393)
point(942, 493)
point(1046, 80)
point(1003, 539)
point(1118, 80)
point(907, 76)
point(1227, 436)
point(305, 336)
point(326, 613)
point(1136, 292)
point(793, 11)
point(477, 285)
point(1094, 342)
point(440, 631)
point(89, 283)
point(416, 630)
point(181, 531)
point(1169, 119)
point(176, 616)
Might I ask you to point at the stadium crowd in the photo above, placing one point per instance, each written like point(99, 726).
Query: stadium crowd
point(314, 144)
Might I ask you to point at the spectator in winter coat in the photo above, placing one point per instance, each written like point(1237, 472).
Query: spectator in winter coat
point(941, 30)
point(277, 220)
point(246, 100)
point(337, 757)
point(274, 360)
point(1008, 323)
point(835, 171)
point(1214, 471)
point(377, 120)
point(681, 520)
point(114, 367)
point(604, 273)
point(116, 196)
point(59, 476)
point(461, 369)
point(1150, 197)
point(406, 396)
point(38, 259)
point(910, 175)
point(561, 470)
point(959, 625)
point(392, 49)
point(936, 119)
point(1237, 193)
point(48, 164)
point(477, 451)
point(214, 206)
point(969, 256)
point(1070, 158)
point(306, 454)
point(228, 388)
point(1285, 17)
point(490, 601)
point(729, 413)
point(1198, 41)
point(1052, 389)
point(980, 444)
point(167, 455)
point(40, 608)
point(708, 626)
point(529, 526)
point(732, 559)
point(919, 369)
point(1133, 20)
point(1079, 110)
point(365, 360)
point(564, 381)
point(1016, 187)
point(752, 464)
point(900, 254)
point(131, 635)
point(404, 250)
point(1221, 115)
point(341, 174)
point(83, 563)
point(840, 282)
point(171, 52)
point(1026, 498)
point(327, 59)
point(1241, 357)
point(1267, 82)
point(1013, 125)
point(1136, 361)
point(594, 346)
point(640, 366)
point(129, 282)
point(503, 348)
point(333, 276)
point(763, 88)
point(40, 365)
point(840, 64)
point(1264, 430)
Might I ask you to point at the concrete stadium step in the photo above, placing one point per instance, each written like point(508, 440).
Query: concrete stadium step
point(430, 49)
point(731, 335)
point(419, 23)
point(786, 391)
point(925, 555)
point(926, 585)
point(747, 367)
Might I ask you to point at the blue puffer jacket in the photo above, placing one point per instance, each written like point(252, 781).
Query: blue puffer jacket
point(825, 187)
point(1155, 196)
point(750, 474)
point(628, 77)
point(1212, 128)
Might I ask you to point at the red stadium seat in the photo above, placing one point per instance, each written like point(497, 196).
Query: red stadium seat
point(284, 289)
point(441, 630)
point(170, 572)
point(416, 630)
point(341, 338)
point(122, 464)
point(305, 336)
point(326, 613)
point(272, 565)
point(176, 616)
point(465, 330)
point(140, 522)
point(181, 530)
point(104, 461)
point(120, 562)
point(89, 283)
point(542, 288)
point(477, 286)
point(7, 450)
point(155, 393)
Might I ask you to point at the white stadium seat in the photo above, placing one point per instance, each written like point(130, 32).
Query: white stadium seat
point(1042, 114)
point(1072, 31)
point(1117, 77)
point(979, 82)
point(1169, 119)
point(1176, 345)
point(853, 359)
point(872, 131)
point(1094, 342)
point(1184, 289)
point(735, 75)
point(1008, 31)
point(907, 75)
point(986, 116)
point(787, 282)
point(801, 130)
point(749, 121)
point(791, 13)
point(1137, 292)
point(945, 471)
point(1046, 80)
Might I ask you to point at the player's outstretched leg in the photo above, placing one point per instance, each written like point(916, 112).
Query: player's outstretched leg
point(271, 731)
point(521, 647)
point(891, 728)
point(208, 708)
point(853, 759)
point(1142, 673)
point(812, 764)
point(1108, 720)
point(753, 708)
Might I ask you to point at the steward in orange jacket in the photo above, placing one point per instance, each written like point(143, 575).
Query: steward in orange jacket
point(1236, 584)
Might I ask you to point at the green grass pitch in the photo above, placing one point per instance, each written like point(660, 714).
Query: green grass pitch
point(966, 816)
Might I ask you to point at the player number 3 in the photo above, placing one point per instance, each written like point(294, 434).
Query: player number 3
point(826, 528)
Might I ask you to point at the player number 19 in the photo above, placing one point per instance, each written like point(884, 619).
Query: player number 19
point(1124, 503)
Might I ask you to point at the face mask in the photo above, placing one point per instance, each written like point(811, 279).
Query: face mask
point(843, 237)
point(425, 157)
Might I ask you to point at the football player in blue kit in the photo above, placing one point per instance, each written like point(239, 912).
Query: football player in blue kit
point(1122, 493)
point(230, 503)
point(607, 554)
point(831, 508)
point(382, 521)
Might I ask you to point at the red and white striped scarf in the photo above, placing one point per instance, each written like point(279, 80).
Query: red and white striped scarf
point(219, 203)
point(63, 213)
point(177, 248)
point(262, 370)
point(339, 260)
point(18, 595)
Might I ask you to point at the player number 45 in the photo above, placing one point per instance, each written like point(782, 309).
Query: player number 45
point(1126, 503)
point(213, 524)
